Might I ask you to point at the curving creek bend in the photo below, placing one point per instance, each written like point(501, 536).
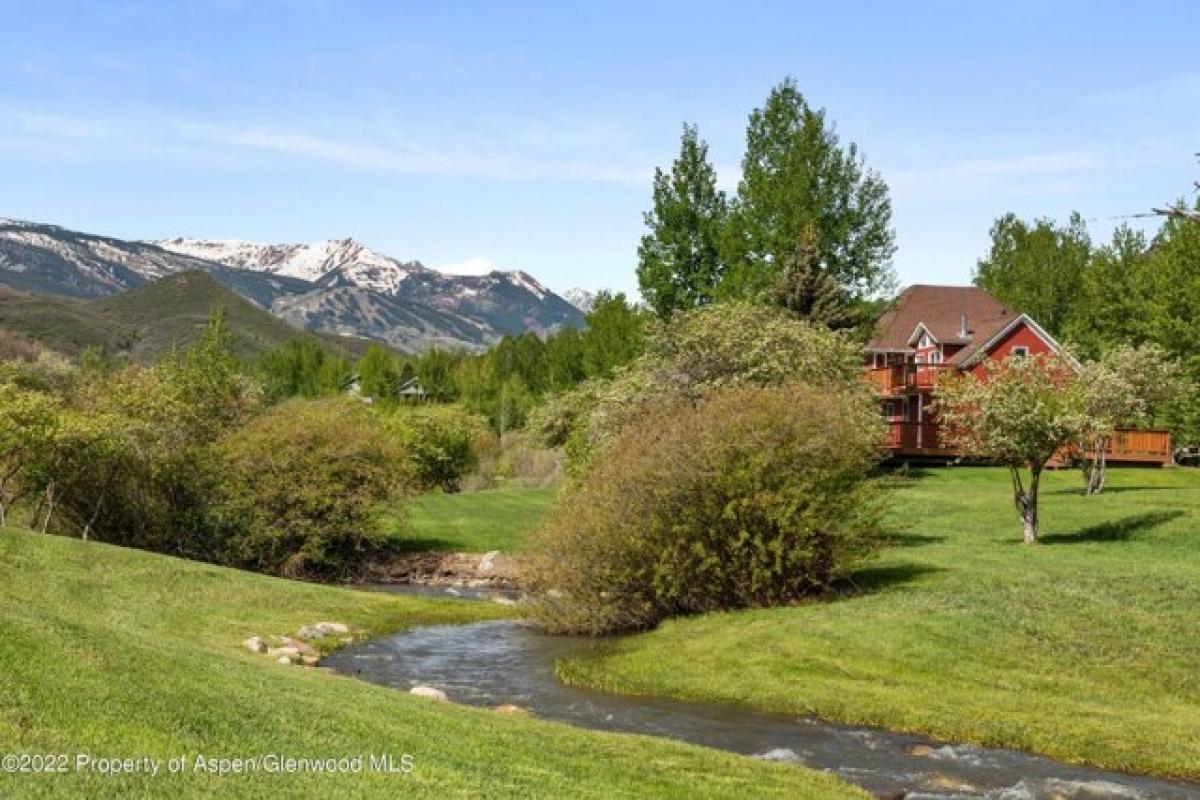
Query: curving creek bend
point(493, 663)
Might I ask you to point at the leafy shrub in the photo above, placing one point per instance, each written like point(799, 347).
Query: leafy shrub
point(754, 497)
point(443, 443)
point(302, 486)
point(696, 353)
point(132, 462)
point(517, 460)
point(122, 464)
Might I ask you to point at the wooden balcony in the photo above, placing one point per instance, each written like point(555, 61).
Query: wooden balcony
point(905, 378)
point(887, 380)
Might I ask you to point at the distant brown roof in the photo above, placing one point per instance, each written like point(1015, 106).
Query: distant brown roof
point(940, 309)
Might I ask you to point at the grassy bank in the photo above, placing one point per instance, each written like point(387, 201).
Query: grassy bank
point(1084, 648)
point(474, 522)
point(121, 653)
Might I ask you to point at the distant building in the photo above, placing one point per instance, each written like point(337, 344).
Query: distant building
point(412, 389)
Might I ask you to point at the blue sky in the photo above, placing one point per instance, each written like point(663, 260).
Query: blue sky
point(525, 134)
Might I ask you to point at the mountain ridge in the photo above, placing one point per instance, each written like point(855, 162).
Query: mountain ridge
point(337, 286)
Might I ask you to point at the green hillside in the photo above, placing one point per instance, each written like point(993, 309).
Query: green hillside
point(124, 654)
point(145, 323)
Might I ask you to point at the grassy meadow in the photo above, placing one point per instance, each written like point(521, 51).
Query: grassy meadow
point(1085, 648)
point(473, 522)
point(122, 653)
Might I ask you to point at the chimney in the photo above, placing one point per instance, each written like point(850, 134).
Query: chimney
point(962, 327)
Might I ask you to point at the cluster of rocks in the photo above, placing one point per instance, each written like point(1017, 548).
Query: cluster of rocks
point(295, 650)
point(431, 693)
point(494, 570)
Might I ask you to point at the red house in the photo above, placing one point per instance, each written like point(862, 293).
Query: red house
point(931, 330)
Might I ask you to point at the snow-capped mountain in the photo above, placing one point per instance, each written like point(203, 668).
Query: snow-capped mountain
point(360, 265)
point(581, 298)
point(338, 286)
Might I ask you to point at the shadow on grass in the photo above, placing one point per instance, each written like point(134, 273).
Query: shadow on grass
point(1117, 531)
point(1117, 489)
point(909, 539)
point(875, 579)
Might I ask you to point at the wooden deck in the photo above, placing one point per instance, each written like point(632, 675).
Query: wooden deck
point(901, 379)
point(923, 440)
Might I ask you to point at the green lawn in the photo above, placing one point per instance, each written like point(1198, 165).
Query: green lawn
point(1086, 648)
point(120, 653)
point(473, 522)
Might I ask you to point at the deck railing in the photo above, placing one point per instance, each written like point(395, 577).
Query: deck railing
point(1131, 446)
point(900, 378)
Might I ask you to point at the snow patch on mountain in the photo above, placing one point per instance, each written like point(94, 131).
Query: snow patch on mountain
point(355, 263)
point(583, 299)
point(476, 265)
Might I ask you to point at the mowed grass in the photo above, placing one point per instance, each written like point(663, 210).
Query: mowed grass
point(473, 522)
point(120, 653)
point(1085, 648)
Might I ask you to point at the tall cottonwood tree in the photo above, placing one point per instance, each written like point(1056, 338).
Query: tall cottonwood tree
point(679, 259)
point(1109, 307)
point(1037, 267)
point(796, 175)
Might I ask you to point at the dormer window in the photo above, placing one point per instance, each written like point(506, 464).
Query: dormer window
point(925, 340)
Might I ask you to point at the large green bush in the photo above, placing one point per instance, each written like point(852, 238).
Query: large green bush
point(130, 459)
point(443, 443)
point(755, 496)
point(303, 484)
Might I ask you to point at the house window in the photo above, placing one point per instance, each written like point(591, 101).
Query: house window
point(935, 357)
point(880, 360)
point(1020, 352)
point(924, 340)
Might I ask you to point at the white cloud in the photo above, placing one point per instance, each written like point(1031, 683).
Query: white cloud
point(381, 148)
point(946, 177)
point(476, 265)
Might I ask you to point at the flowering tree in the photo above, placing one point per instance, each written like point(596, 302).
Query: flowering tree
point(1019, 413)
point(1124, 388)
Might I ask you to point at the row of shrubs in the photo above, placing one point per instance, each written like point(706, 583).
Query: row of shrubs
point(187, 458)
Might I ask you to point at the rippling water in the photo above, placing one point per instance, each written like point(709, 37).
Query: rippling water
point(493, 663)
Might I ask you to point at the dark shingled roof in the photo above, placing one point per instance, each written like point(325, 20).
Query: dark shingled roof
point(940, 308)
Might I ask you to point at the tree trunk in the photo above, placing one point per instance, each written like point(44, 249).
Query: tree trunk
point(1027, 501)
point(1097, 471)
point(87, 529)
point(49, 506)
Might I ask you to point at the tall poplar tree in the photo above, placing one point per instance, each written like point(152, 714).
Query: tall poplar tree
point(797, 175)
point(679, 259)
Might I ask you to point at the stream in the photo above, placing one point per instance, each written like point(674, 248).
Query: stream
point(505, 661)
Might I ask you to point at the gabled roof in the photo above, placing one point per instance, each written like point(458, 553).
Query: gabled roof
point(940, 310)
point(980, 351)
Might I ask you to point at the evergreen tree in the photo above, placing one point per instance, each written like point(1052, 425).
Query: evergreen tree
point(796, 175)
point(679, 260)
point(809, 292)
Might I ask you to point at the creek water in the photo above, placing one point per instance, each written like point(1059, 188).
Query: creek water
point(498, 662)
